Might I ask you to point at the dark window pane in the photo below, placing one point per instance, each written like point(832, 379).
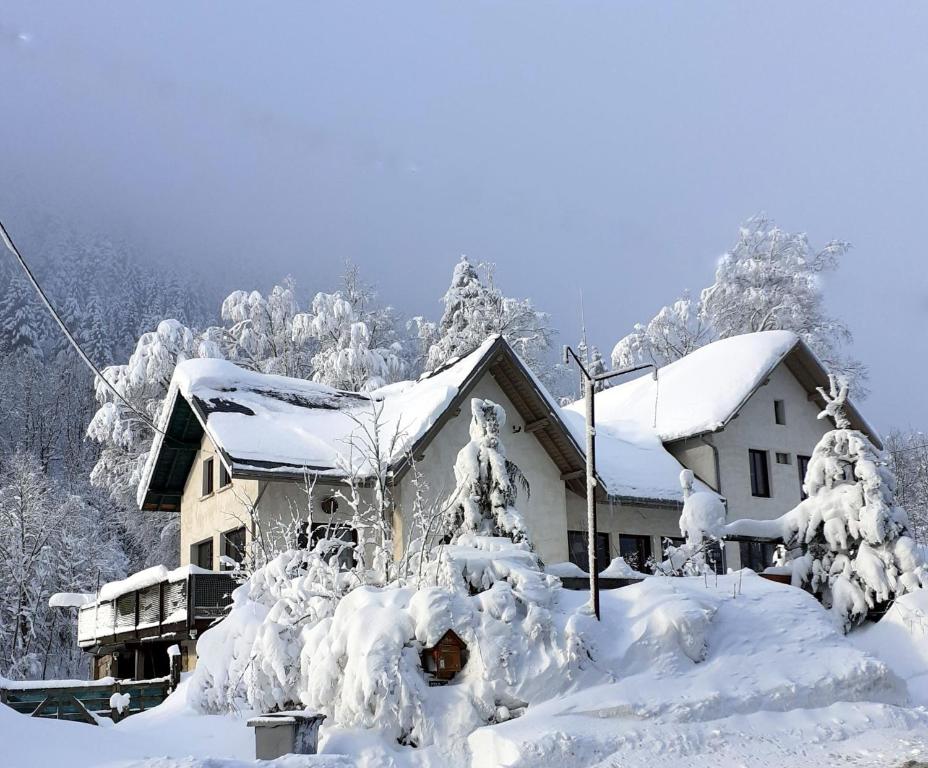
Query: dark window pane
point(340, 538)
point(578, 552)
point(224, 478)
point(233, 545)
point(760, 479)
point(204, 554)
point(803, 463)
point(207, 477)
point(635, 550)
point(757, 555)
point(779, 411)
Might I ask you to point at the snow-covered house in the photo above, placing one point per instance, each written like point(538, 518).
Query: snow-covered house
point(742, 414)
point(243, 449)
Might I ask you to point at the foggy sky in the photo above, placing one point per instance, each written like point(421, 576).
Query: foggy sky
point(612, 147)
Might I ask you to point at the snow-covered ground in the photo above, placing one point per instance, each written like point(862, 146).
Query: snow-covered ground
point(684, 671)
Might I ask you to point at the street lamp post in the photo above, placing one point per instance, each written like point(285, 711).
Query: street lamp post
point(589, 382)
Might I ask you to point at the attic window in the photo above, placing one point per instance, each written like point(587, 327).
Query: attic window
point(224, 477)
point(207, 477)
point(779, 411)
point(329, 505)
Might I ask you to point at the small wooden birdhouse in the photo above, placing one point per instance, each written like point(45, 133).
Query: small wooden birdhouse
point(445, 659)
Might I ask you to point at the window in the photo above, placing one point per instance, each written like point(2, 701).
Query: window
point(302, 535)
point(342, 539)
point(757, 555)
point(779, 411)
point(233, 545)
point(207, 477)
point(783, 458)
point(715, 557)
point(203, 554)
point(329, 505)
point(225, 478)
point(760, 477)
point(635, 550)
point(803, 463)
point(578, 551)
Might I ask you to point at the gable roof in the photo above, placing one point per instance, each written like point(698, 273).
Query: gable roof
point(274, 427)
point(704, 391)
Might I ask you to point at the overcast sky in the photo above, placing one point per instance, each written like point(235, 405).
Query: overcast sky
point(609, 146)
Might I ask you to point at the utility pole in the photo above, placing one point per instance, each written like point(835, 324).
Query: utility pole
point(589, 390)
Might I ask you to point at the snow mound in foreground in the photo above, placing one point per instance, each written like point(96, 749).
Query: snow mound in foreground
point(543, 682)
point(689, 658)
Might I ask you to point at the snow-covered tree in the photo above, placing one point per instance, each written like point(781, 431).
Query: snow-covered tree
point(143, 381)
point(476, 309)
point(702, 517)
point(345, 357)
point(52, 542)
point(856, 544)
point(487, 483)
point(672, 333)
point(259, 331)
point(769, 280)
point(908, 451)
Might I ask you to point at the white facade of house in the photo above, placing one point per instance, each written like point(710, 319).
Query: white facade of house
point(556, 509)
point(755, 428)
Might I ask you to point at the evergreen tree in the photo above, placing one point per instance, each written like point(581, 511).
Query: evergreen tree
point(475, 310)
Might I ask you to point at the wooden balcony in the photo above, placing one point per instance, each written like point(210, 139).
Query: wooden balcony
point(162, 605)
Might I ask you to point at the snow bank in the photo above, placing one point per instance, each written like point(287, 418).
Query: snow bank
point(689, 668)
point(543, 682)
point(900, 639)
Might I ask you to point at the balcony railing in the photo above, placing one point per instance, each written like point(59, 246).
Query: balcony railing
point(150, 605)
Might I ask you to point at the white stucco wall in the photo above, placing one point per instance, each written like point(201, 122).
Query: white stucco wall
point(544, 509)
point(550, 509)
point(205, 517)
point(756, 428)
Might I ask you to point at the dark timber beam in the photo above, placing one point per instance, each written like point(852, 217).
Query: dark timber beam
point(534, 426)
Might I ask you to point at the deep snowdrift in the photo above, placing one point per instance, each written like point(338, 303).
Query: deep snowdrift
point(684, 671)
point(673, 661)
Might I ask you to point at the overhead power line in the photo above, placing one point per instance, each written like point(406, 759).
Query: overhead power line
point(11, 247)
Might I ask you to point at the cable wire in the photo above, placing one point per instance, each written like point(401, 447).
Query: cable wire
point(11, 247)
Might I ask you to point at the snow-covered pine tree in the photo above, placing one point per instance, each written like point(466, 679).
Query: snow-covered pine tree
point(475, 309)
point(596, 367)
point(487, 482)
point(857, 550)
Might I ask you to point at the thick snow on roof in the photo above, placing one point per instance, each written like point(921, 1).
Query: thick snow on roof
point(630, 459)
point(698, 393)
point(279, 423)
